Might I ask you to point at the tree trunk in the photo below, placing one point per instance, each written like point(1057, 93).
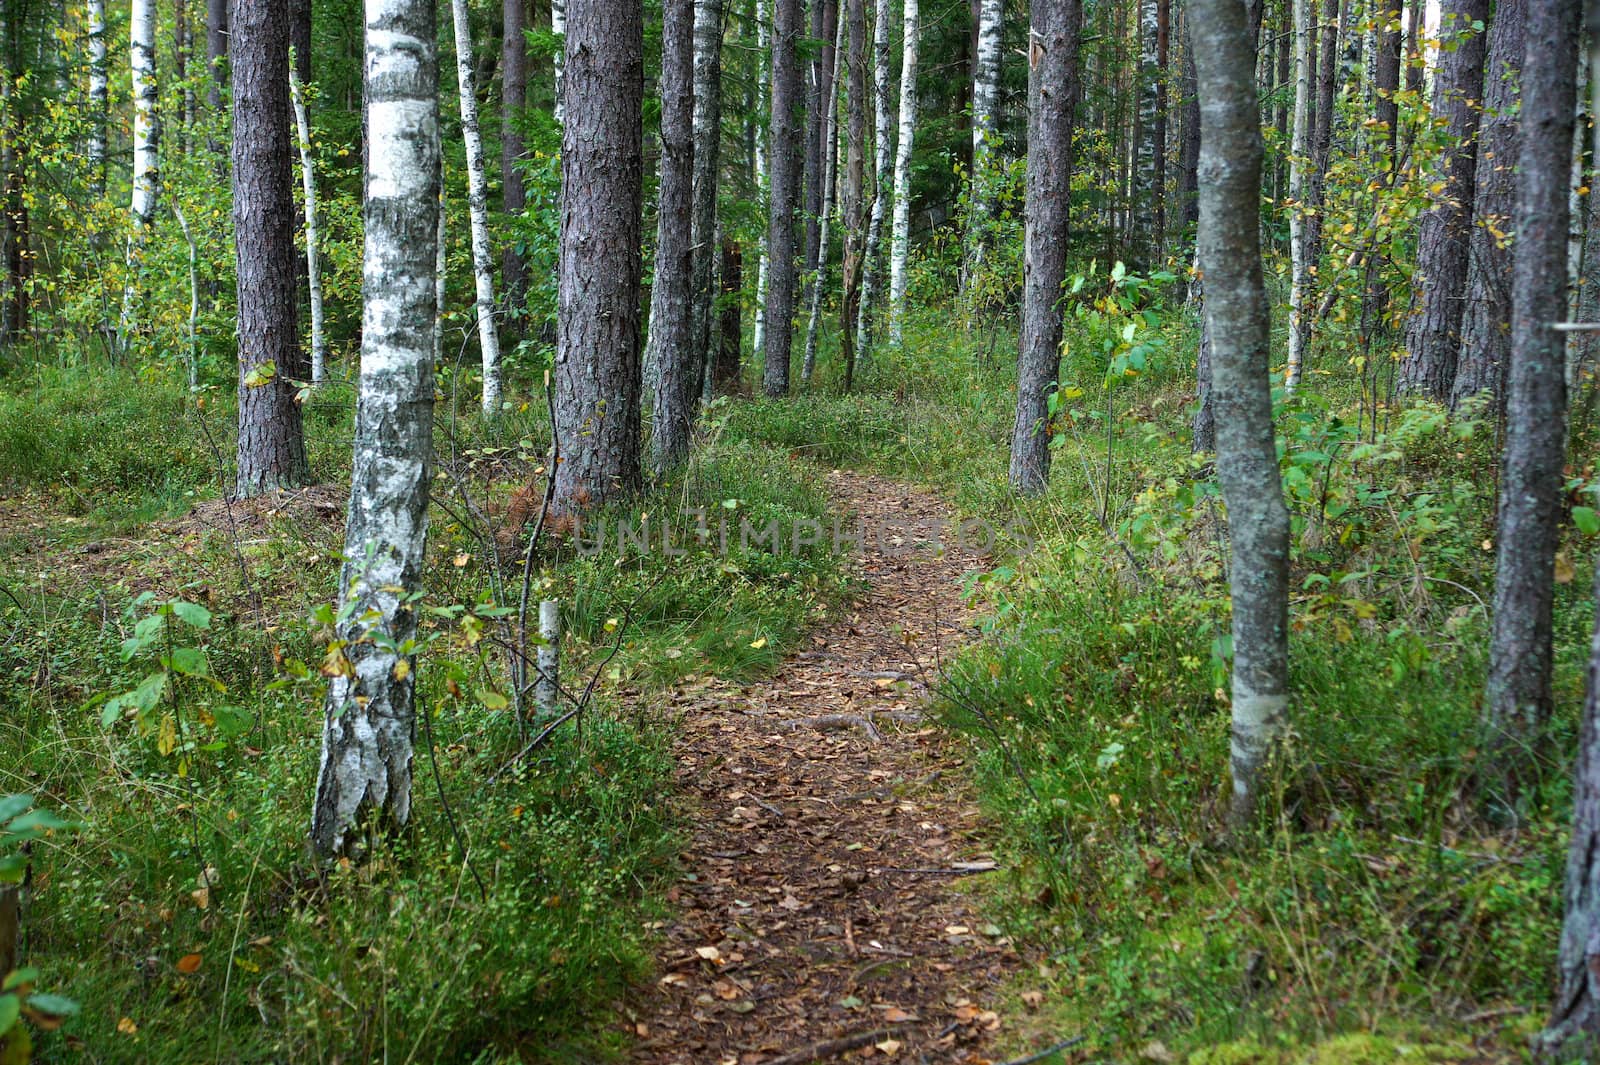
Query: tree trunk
point(369, 714)
point(758, 326)
point(1486, 330)
point(1322, 130)
point(513, 97)
point(146, 154)
point(671, 314)
point(1518, 699)
point(272, 451)
point(1433, 334)
point(99, 95)
point(602, 168)
point(855, 168)
point(216, 49)
point(1052, 95)
point(783, 180)
point(900, 231)
point(725, 372)
point(985, 130)
point(558, 26)
point(707, 127)
point(1158, 138)
point(882, 175)
point(308, 182)
point(820, 135)
point(817, 279)
point(1247, 461)
point(1189, 150)
point(478, 212)
point(1203, 427)
point(1299, 160)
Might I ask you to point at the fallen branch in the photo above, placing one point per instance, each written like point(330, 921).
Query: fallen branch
point(959, 869)
point(829, 1048)
point(1045, 1053)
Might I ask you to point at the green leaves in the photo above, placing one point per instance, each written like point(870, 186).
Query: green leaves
point(1586, 519)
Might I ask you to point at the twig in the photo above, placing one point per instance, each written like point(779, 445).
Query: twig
point(829, 1048)
point(1045, 1053)
point(970, 869)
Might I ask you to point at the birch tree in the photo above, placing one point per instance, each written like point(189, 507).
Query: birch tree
point(369, 715)
point(271, 447)
point(146, 153)
point(308, 184)
point(783, 178)
point(597, 336)
point(882, 173)
point(759, 152)
point(851, 212)
point(1518, 699)
point(513, 97)
point(1052, 93)
point(817, 272)
point(99, 96)
point(900, 232)
point(985, 97)
point(478, 212)
point(671, 314)
point(1247, 462)
point(1299, 157)
point(707, 132)
point(558, 27)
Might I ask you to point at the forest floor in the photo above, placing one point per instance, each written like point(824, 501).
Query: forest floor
point(825, 903)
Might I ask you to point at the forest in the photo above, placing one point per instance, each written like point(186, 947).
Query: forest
point(758, 532)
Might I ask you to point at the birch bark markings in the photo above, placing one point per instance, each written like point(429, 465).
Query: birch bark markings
point(99, 96)
point(146, 154)
point(901, 230)
point(1299, 152)
point(364, 779)
point(478, 212)
point(985, 95)
point(707, 132)
point(1052, 93)
point(1237, 320)
point(308, 186)
point(758, 327)
point(882, 174)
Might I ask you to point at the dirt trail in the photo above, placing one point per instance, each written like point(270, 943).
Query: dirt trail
point(826, 893)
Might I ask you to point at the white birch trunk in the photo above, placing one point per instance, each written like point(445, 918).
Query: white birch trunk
point(758, 331)
point(830, 165)
point(478, 210)
point(99, 94)
point(441, 267)
point(1299, 150)
point(558, 26)
point(308, 184)
point(900, 232)
point(146, 149)
point(985, 93)
point(364, 781)
point(882, 174)
point(547, 687)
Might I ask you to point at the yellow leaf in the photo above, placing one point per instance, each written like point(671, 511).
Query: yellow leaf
point(167, 741)
point(189, 963)
point(127, 1027)
point(402, 668)
point(759, 644)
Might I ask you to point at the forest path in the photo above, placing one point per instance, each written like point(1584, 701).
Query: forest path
point(825, 902)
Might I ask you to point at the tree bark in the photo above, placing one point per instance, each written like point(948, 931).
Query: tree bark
point(99, 96)
point(1299, 160)
point(852, 213)
point(725, 372)
point(1247, 462)
point(216, 48)
point(1052, 94)
point(760, 151)
point(146, 154)
point(707, 119)
point(602, 166)
point(783, 180)
point(308, 182)
point(820, 131)
point(513, 97)
point(985, 129)
point(671, 314)
point(900, 231)
point(1433, 334)
point(558, 26)
point(1189, 150)
point(1486, 330)
point(882, 175)
point(817, 279)
point(1158, 138)
point(478, 212)
point(1518, 699)
point(272, 451)
point(369, 715)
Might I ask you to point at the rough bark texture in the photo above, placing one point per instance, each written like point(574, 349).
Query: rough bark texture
point(851, 213)
point(217, 48)
point(1433, 334)
point(900, 231)
point(1247, 462)
point(272, 452)
point(820, 130)
point(513, 96)
point(1575, 1018)
point(602, 165)
point(817, 279)
point(1052, 94)
point(1486, 329)
point(783, 179)
point(708, 24)
point(725, 372)
point(882, 175)
point(1386, 72)
point(1518, 700)
point(1322, 129)
point(671, 316)
point(364, 782)
point(1203, 427)
point(477, 212)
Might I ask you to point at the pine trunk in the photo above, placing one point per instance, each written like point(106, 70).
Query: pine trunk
point(671, 314)
point(783, 180)
point(478, 212)
point(1518, 699)
point(602, 165)
point(1052, 94)
point(725, 372)
point(369, 714)
point(272, 452)
point(900, 231)
point(1433, 334)
point(1247, 461)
